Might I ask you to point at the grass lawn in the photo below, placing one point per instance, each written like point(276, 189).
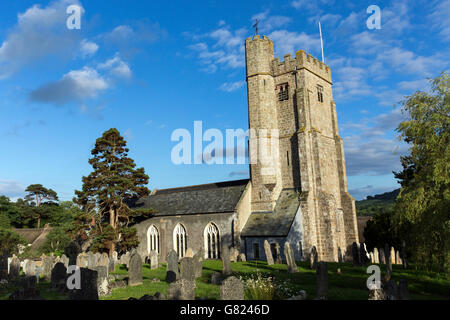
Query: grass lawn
point(350, 285)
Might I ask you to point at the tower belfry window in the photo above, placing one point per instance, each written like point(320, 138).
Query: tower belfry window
point(319, 93)
point(283, 92)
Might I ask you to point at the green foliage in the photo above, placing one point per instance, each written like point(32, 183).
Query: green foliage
point(381, 230)
point(10, 241)
point(374, 204)
point(106, 193)
point(424, 200)
point(57, 240)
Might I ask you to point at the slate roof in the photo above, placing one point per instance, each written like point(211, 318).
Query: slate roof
point(276, 223)
point(220, 197)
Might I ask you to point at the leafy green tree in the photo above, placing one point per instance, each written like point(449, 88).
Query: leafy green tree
point(106, 193)
point(424, 199)
point(37, 194)
point(10, 241)
point(56, 241)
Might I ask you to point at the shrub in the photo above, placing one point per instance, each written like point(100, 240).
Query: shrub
point(10, 241)
point(261, 287)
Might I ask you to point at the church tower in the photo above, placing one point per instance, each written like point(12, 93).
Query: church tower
point(293, 127)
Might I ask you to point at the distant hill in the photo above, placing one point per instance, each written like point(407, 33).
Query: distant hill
point(374, 204)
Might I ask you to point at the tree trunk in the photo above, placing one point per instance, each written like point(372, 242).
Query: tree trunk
point(39, 222)
point(112, 222)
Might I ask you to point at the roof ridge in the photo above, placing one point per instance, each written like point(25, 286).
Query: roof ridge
point(213, 185)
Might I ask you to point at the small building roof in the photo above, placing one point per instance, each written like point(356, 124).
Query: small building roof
point(276, 223)
point(220, 197)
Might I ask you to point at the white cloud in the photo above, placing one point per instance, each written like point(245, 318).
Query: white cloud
point(116, 66)
point(439, 18)
point(232, 86)
point(88, 48)
point(40, 32)
point(76, 85)
point(289, 42)
point(268, 23)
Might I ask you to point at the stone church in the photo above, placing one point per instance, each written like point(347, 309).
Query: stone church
point(299, 196)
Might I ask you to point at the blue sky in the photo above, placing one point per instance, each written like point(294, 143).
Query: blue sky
point(148, 69)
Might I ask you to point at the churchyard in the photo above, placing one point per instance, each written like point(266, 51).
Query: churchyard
point(130, 278)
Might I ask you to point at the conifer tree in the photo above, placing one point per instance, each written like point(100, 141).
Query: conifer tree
point(37, 193)
point(106, 193)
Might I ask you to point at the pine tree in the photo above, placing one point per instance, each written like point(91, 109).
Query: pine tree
point(37, 193)
point(106, 194)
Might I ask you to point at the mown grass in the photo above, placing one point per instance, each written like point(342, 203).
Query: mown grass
point(349, 285)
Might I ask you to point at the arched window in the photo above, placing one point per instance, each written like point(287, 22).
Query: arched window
point(152, 239)
point(179, 240)
point(212, 241)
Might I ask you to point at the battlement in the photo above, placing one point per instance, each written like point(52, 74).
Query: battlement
point(302, 60)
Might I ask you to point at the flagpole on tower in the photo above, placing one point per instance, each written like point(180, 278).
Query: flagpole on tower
point(321, 42)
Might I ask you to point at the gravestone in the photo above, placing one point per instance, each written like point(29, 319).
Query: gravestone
point(172, 274)
point(4, 266)
point(72, 250)
point(26, 289)
point(290, 259)
point(198, 262)
point(226, 262)
point(278, 258)
point(340, 257)
point(104, 260)
point(242, 257)
point(364, 256)
point(216, 278)
point(187, 269)
point(268, 252)
point(356, 255)
point(403, 255)
point(64, 260)
point(392, 255)
point(14, 268)
point(322, 281)
point(398, 258)
point(376, 256)
point(232, 289)
point(31, 268)
point(388, 259)
point(234, 253)
point(154, 263)
point(382, 256)
point(189, 253)
point(376, 294)
point(313, 258)
point(59, 277)
point(403, 293)
point(135, 270)
point(125, 259)
point(115, 257)
point(391, 290)
point(47, 266)
point(181, 290)
point(92, 260)
point(111, 265)
point(88, 286)
point(103, 285)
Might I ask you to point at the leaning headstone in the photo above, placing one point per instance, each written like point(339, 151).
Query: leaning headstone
point(226, 262)
point(313, 259)
point(187, 269)
point(268, 252)
point(154, 263)
point(59, 277)
point(290, 259)
point(198, 263)
point(14, 268)
point(376, 256)
point(172, 267)
point(135, 270)
point(72, 250)
point(403, 293)
point(322, 281)
point(372, 259)
point(232, 289)
point(88, 286)
point(355, 255)
point(181, 290)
